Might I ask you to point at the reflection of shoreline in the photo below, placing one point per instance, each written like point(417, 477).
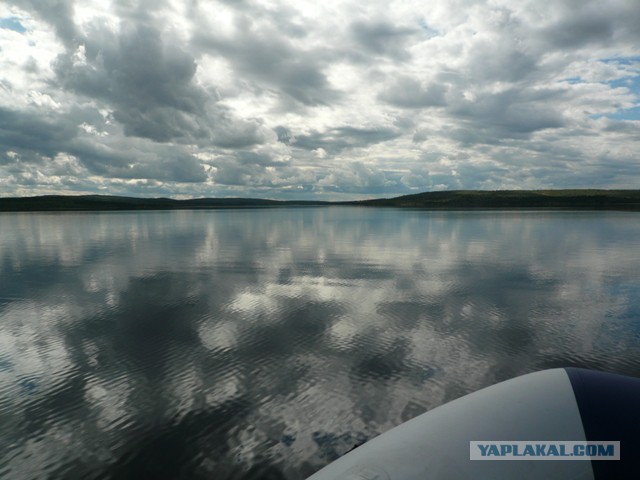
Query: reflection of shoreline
point(472, 199)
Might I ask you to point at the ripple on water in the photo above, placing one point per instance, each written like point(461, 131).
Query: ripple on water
point(263, 344)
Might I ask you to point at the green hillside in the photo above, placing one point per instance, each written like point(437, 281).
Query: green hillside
point(107, 202)
point(463, 199)
point(589, 199)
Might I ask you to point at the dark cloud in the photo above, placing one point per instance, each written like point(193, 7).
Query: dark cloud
point(364, 178)
point(175, 168)
point(407, 92)
point(246, 168)
point(147, 80)
point(37, 140)
point(252, 158)
point(342, 138)
point(580, 30)
point(32, 133)
point(146, 76)
point(272, 62)
point(501, 61)
point(512, 113)
point(592, 23)
point(419, 136)
point(621, 126)
point(234, 133)
point(58, 13)
point(383, 38)
point(284, 135)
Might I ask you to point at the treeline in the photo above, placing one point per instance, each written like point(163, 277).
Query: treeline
point(588, 199)
point(463, 199)
point(107, 202)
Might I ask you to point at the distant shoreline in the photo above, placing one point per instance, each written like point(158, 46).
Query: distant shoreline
point(447, 200)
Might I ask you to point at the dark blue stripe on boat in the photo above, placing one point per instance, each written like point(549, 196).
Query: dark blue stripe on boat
point(609, 405)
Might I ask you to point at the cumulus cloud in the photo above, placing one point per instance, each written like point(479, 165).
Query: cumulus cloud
point(383, 38)
point(342, 138)
point(278, 99)
point(268, 61)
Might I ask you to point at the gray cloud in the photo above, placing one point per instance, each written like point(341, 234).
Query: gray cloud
point(37, 140)
point(245, 168)
point(341, 138)
point(58, 13)
point(383, 38)
point(145, 79)
point(284, 135)
point(512, 113)
point(592, 23)
point(253, 99)
point(272, 62)
point(407, 92)
point(31, 133)
point(579, 31)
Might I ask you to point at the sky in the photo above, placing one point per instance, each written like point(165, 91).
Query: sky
point(330, 100)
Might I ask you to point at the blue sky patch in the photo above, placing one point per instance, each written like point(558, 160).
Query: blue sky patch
point(625, 114)
point(632, 82)
point(574, 80)
point(622, 60)
point(425, 26)
point(12, 23)
point(632, 113)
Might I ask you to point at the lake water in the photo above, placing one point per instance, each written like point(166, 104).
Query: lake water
point(264, 343)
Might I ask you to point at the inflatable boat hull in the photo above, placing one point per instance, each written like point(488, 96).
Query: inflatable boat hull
point(570, 405)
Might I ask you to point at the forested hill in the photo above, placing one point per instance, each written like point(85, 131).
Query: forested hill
point(463, 199)
point(108, 202)
point(590, 199)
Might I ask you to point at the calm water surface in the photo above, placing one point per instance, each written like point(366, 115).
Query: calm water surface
point(265, 343)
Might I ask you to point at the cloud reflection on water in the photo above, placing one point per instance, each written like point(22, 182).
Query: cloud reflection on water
point(249, 343)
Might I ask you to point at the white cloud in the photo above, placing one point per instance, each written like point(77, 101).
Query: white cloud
point(148, 92)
